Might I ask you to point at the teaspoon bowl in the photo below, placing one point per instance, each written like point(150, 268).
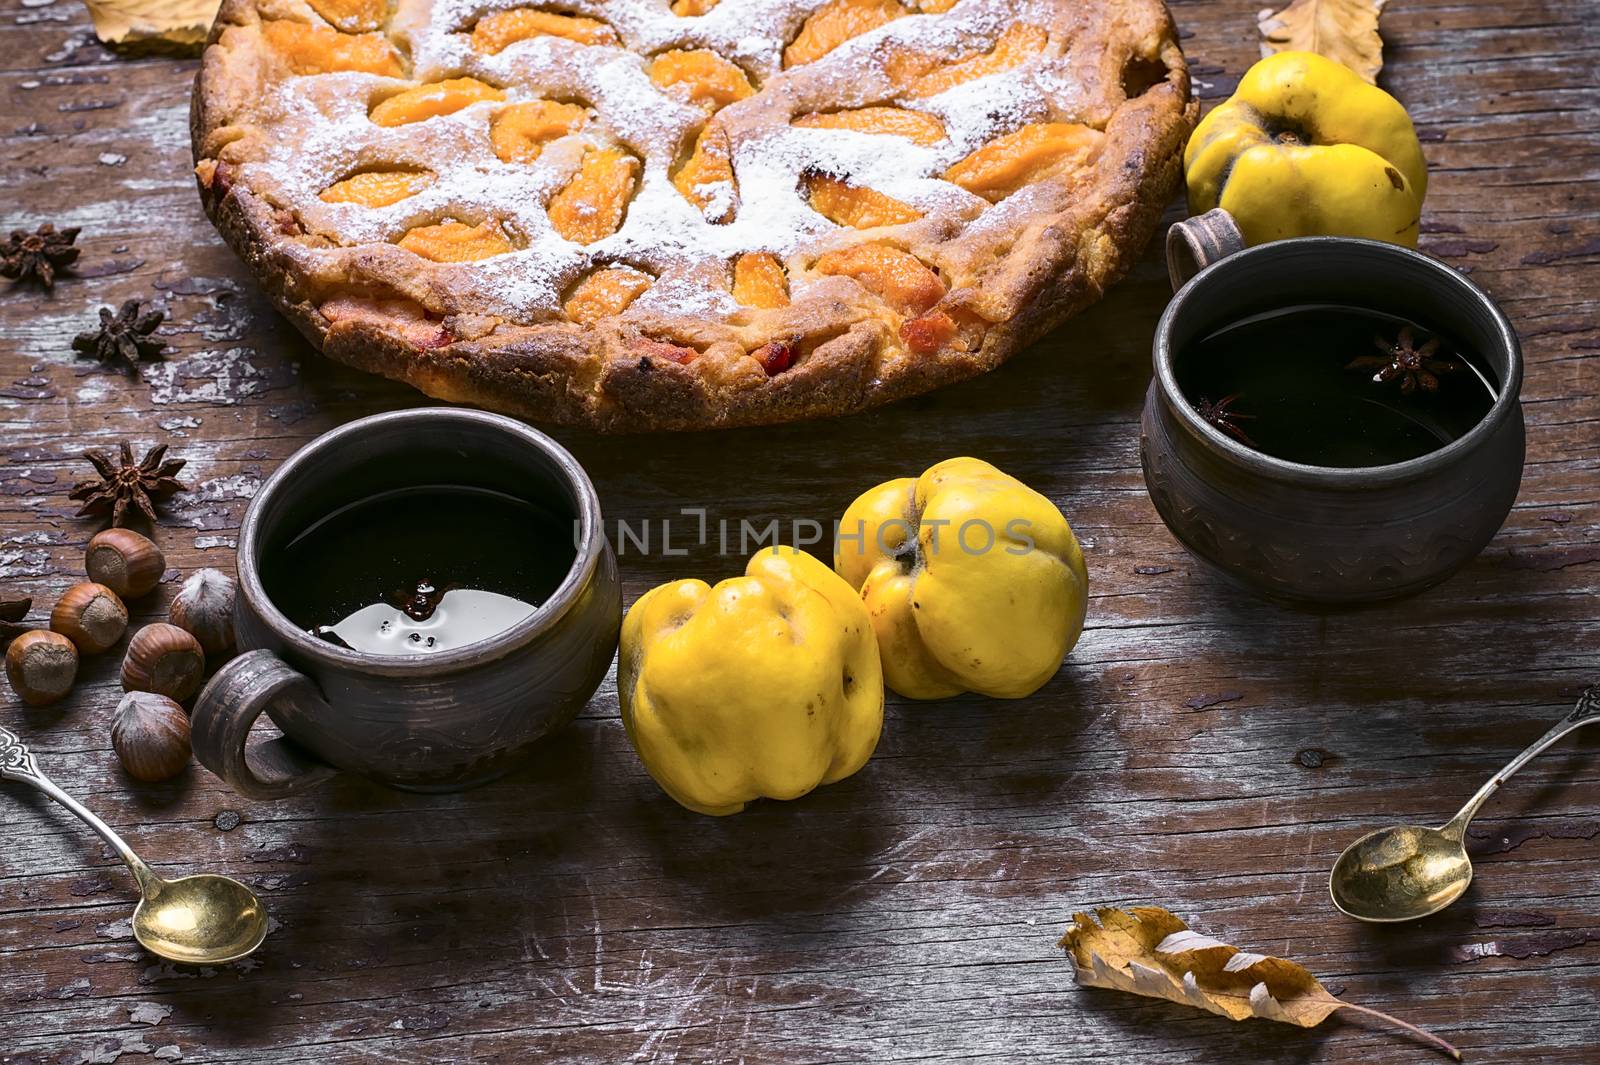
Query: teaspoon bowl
point(1400, 874)
point(201, 920)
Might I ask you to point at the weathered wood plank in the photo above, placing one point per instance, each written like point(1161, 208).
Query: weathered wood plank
point(1201, 750)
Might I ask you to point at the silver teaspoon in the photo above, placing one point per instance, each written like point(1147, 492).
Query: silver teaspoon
point(1410, 871)
point(200, 920)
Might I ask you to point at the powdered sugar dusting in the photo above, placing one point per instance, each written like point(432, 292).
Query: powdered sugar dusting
point(318, 133)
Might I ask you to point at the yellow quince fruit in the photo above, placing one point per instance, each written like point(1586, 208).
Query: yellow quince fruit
point(1305, 147)
point(764, 686)
point(974, 581)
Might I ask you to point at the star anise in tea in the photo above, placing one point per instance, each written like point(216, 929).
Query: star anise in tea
point(420, 601)
point(12, 615)
point(126, 336)
point(40, 255)
point(128, 484)
point(1222, 416)
point(1404, 361)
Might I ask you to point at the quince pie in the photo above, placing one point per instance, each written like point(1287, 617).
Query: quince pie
point(674, 214)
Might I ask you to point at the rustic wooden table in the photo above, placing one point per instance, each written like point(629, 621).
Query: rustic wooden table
point(1201, 749)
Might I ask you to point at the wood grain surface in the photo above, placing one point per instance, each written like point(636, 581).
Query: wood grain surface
point(1201, 749)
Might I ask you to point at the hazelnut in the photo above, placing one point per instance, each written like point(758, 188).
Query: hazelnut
point(151, 736)
point(91, 616)
point(127, 563)
point(163, 659)
point(204, 609)
point(41, 666)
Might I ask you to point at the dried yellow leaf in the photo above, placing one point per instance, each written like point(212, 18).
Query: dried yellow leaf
point(1147, 951)
point(169, 25)
point(1345, 31)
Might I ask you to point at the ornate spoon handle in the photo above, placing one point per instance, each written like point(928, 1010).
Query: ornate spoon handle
point(18, 763)
point(1586, 712)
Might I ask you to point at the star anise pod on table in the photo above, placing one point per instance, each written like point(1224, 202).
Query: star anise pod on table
point(39, 255)
point(125, 336)
point(1414, 367)
point(140, 485)
point(12, 613)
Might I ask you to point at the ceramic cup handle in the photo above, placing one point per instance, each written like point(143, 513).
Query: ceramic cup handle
point(1196, 243)
point(229, 706)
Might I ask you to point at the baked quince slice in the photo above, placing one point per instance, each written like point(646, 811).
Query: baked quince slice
point(706, 178)
point(378, 188)
point(309, 49)
point(914, 126)
point(897, 277)
point(920, 74)
point(519, 133)
point(590, 207)
point(497, 32)
point(352, 16)
point(759, 281)
point(1031, 154)
point(836, 23)
point(605, 293)
point(701, 78)
point(855, 206)
point(456, 242)
point(429, 101)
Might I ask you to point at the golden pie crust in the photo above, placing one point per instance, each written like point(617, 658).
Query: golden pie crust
point(685, 214)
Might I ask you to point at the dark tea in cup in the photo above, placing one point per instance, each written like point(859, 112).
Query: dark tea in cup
point(1336, 385)
point(420, 570)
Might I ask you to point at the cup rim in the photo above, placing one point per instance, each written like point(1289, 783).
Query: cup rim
point(586, 558)
point(1342, 477)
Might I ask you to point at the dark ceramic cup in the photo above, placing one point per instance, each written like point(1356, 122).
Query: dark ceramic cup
point(437, 722)
point(1317, 534)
